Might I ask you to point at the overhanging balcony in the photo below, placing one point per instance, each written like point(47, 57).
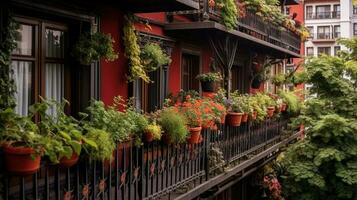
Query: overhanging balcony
point(252, 31)
point(156, 170)
point(138, 6)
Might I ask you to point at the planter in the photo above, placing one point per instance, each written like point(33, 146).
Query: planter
point(245, 117)
point(270, 111)
point(194, 135)
point(69, 162)
point(166, 138)
point(148, 136)
point(234, 119)
point(123, 155)
point(256, 84)
point(20, 160)
point(254, 115)
point(223, 118)
point(283, 107)
point(208, 86)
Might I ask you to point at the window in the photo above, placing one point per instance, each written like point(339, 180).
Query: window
point(287, 10)
point(309, 12)
point(355, 10)
point(323, 12)
point(336, 11)
point(189, 70)
point(41, 67)
point(337, 49)
point(309, 51)
point(311, 31)
point(323, 32)
point(324, 50)
point(355, 29)
point(337, 31)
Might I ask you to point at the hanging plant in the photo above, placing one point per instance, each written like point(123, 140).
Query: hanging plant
point(153, 57)
point(92, 47)
point(229, 13)
point(133, 52)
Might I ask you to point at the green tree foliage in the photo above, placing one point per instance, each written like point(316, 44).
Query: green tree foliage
point(324, 164)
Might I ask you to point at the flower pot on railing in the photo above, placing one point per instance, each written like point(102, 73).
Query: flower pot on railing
point(123, 155)
point(270, 111)
point(69, 162)
point(194, 137)
point(21, 160)
point(283, 107)
point(253, 115)
point(208, 86)
point(223, 118)
point(166, 139)
point(256, 84)
point(245, 117)
point(148, 136)
point(234, 119)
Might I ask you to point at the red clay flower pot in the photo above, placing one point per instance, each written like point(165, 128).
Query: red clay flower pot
point(148, 136)
point(283, 107)
point(120, 148)
point(166, 138)
point(254, 115)
point(223, 118)
point(20, 160)
point(270, 111)
point(69, 162)
point(234, 119)
point(245, 117)
point(194, 135)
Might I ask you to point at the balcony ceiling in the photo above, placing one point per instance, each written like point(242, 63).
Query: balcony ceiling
point(290, 2)
point(200, 29)
point(140, 6)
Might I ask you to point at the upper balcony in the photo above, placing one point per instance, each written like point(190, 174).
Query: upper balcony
point(138, 6)
point(252, 30)
point(323, 15)
point(324, 37)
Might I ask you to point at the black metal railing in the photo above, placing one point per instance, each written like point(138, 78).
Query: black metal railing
point(324, 15)
point(147, 172)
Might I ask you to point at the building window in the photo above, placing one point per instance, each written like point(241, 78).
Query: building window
point(355, 10)
point(323, 12)
point(355, 29)
point(309, 12)
point(189, 70)
point(311, 31)
point(337, 31)
point(323, 50)
point(40, 67)
point(336, 11)
point(337, 49)
point(323, 32)
point(309, 51)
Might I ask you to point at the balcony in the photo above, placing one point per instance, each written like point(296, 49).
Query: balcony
point(251, 30)
point(156, 170)
point(323, 15)
point(324, 37)
point(138, 6)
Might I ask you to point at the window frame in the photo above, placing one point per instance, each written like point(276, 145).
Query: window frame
point(325, 14)
point(324, 47)
point(355, 29)
point(326, 35)
point(307, 51)
point(199, 57)
point(309, 15)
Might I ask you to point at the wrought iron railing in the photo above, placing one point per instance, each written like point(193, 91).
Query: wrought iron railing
point(148, 172)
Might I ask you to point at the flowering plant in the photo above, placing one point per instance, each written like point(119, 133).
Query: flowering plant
point(191, 109)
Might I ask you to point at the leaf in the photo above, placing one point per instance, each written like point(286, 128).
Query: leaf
point(76, 146)
point(90, 142)
point(65, 135)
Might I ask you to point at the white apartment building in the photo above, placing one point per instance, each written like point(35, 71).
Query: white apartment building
point(328, 20)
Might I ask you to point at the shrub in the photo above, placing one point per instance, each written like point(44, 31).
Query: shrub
point(173, 124)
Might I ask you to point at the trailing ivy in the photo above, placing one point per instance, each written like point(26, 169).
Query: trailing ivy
point(153, 57)
point(7, 84)
point(229, 13)
point(132, 51)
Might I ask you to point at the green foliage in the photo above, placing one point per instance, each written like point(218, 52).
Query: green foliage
point(324, 164)
point(92, 47)
point(210, 77)
point(293, 102)
point(235, 103)
point(155, 130)
point(153, 57)
point(229, 13)
point(278, 79)
point(7, 45)
point(173, 124)
point(106, 145)
point(299, 78)
point(132, 51)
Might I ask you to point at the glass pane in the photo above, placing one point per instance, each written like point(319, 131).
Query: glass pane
point(23, 80)
point(54, 80)
point(24, 40)
point(54, 43)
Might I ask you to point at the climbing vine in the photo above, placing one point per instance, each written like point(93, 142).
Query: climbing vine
point(132, 51)
point(229, 13)
point(7, 45)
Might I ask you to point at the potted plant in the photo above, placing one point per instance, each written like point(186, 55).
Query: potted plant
point(173, 125)
point(105, 144)
point(21, 142)
point(246, 107)
point(92, 47)
point(235, 112)
point(299, 78)
point(153, 57)
point(278, 79)
point(152, 132)
point(208, 81)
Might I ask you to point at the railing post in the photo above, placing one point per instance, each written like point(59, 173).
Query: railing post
point(206, 152)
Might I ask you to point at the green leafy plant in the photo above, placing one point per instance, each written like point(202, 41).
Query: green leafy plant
point(299, 78)
point(105, 144)
point(229, 13)
point(155, 130)
point(173, 124)
point(292, 100)
point(92, 47)
point(278, 79)
point(153, 57)
point(209, 77)
point(235, 103)
point(133, 52)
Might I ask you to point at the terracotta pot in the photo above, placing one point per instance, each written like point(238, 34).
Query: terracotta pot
point(234, 119)
point(208, 94)
point(148, 136)
point(245, 117)
point(253, 116)
point(283, 107)
point(20, 160)
point(277, 109)
point(121, 148)
point(69, 162)
point(270, 111)
point(166, 138)
point(194, 135)
point(208, 86)
point(223, 118)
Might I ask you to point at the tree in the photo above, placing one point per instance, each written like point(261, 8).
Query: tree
point(324, 164)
